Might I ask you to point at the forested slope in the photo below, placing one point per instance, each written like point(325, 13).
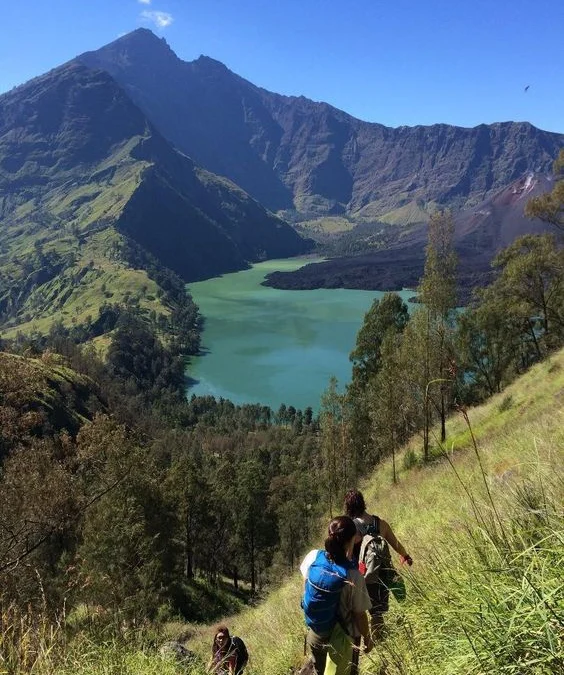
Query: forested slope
point(484, 525)
point(96, 208)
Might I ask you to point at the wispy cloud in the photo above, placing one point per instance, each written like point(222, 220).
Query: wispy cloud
point(145, 2)
point(160, 19)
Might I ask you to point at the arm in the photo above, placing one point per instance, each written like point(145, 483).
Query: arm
point(229, 661)
point(390, 537)
point(363, 625)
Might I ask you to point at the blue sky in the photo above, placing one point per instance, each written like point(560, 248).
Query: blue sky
point(395, 62)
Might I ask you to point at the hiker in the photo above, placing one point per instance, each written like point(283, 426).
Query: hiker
point(373, 527)
point(229, 654)
point(335, 600)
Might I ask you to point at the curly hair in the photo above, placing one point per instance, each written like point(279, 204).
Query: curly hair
point(354, 504)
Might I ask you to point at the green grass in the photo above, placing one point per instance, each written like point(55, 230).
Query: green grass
point(479, 601)
point(75, 222)
point(484, 523)
point(326, 225)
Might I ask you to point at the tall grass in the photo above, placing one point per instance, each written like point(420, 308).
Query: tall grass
point(484, 524)
point(491, 598)
point(32, 643)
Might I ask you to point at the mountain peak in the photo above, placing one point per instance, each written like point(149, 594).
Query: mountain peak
point(208, 62)
point(142, 37)
point(135, 47)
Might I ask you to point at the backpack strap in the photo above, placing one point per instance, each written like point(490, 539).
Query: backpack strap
point(363, 546)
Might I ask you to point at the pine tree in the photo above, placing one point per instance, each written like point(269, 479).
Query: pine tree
point(389, 313)
point(549, 207)
point(437, 291)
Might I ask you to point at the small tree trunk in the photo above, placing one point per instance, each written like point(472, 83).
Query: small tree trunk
point(426, 425)
point(537, 347)
point(188, 562)
point(394, 475)
point(443, 416)
point(236, 578)
point(253, 568)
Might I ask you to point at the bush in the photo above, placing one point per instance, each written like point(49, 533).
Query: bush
point(410, 459)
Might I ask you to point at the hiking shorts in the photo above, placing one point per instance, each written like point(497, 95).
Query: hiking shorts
point(380, 596)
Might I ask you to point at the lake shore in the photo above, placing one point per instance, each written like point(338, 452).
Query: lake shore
point(273, 346)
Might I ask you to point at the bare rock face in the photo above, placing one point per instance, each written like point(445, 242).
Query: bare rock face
point(292, 153)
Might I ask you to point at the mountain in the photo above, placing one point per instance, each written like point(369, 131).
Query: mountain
point(92, 196)
point(294, 154)
point(514, 471)
point(479, 234)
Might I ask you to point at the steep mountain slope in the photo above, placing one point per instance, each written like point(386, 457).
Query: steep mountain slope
point(484, 528)
point(85, 180)
point(480, 233)
point(42, 397)
point(293, 153)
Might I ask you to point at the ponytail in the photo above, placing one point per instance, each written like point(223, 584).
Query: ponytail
point(341, 531)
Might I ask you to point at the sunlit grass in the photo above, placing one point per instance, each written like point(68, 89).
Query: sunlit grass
point(486, 585)
point(327, 225)
point(485, 526)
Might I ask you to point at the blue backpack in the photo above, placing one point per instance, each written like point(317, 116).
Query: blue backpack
point(324, 583)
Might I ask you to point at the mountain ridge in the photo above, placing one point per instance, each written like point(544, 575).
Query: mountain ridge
point(82, 173)
point(295, 154)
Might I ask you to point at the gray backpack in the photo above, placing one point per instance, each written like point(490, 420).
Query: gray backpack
point(374, 558)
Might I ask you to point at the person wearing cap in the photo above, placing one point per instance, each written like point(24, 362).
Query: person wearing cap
point(355, 508)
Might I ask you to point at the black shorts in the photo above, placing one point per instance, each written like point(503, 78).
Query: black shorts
point(380, 596)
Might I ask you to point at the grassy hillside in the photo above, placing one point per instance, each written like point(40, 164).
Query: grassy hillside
point(95, 207)
point(485, 593)
point(483, 522)
point(41, 397)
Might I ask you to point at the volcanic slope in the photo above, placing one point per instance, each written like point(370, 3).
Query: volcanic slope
point(294, 154)
point(484, 526)
point(92, 197)
point(480, 233)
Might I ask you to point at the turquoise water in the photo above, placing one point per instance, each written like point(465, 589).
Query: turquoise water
point(270, 346)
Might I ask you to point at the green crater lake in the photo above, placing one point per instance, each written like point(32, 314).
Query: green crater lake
point(269, 346)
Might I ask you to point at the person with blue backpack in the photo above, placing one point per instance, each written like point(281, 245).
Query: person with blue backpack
point(335, 600)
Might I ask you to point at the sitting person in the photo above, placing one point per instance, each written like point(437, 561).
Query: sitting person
point(229, 654)
point(355, 508)
point(335, 600)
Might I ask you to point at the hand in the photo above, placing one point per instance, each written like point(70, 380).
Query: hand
point(406, 559)
point(368, 645)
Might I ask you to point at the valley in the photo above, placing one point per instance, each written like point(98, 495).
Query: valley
point(222, 307)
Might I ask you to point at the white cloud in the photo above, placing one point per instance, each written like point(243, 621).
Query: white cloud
point(160, 19)
point(145, 2)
